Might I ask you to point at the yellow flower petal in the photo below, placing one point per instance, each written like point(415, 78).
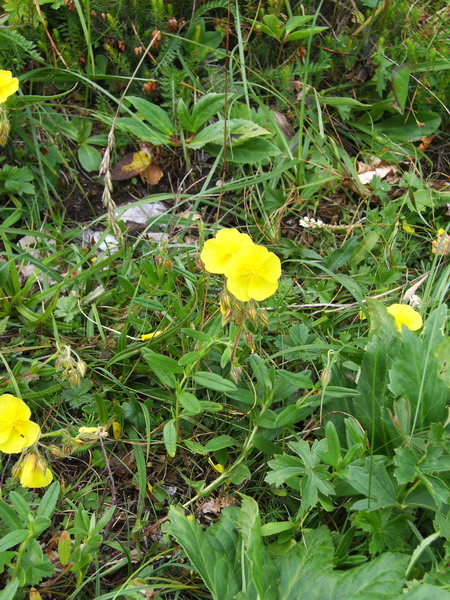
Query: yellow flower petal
point(16, 429)
point(260, 290)
point(117, 430)
point(83, 430)
point(8, 85)
point(13, 409)
point(253, 273)
point(149, 336)
point(34, 472)
point(218, 251)
point(405, 315)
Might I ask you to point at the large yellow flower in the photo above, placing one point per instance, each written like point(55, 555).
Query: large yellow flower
point(253, 273)
point(218, 251)
point(16, 429)
point(34, 472)
point(405, 315)
point(8, 85)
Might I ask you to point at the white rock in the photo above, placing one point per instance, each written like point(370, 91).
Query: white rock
point(141, 214)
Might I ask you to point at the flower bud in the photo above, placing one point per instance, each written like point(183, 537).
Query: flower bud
point(57, 452)
point(4, 131)
point(248, 338)
point(263, 317)
point(325, 377)
point(251, 314)
point(236, 374)
point(226, 318)
point(226, 300)
point(159, 262)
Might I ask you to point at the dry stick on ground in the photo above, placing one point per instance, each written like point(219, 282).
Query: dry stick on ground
point(105, 170)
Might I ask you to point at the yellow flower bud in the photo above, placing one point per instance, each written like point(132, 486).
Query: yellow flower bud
point(34, 472)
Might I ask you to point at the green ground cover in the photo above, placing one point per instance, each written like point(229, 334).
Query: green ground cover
point(224, 275)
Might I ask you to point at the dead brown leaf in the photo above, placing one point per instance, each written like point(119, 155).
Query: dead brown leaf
point(367, 172)
point(214, 506)
point(425, 142)
point(152, 174)
point(130, 165)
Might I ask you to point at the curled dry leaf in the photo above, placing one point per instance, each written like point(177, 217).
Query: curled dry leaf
point(152, 174)
point(367, 172)
point(425, 141)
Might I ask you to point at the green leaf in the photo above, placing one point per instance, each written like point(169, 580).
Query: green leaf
point(89, 157)
point(9, 592)
point(164, 367)
point(13, 538)
point(380, 579)
point(213, 555)
point(205, 109)
point(333, 445)
point(413, 127)
point(9, 517)
point(155, 115)
point(342, 255)
point(237, 131)
point(170, 438)
point(142, 131)
point(189, 402)
point(275, 527)
point(213, 381)
point(184, 116)
point(36, 564)
point(373, 482)
point(48, 503)
point(295, 22)
point(406, 463)
point(400, 82)
point(196, 335)
point(302, 34)
point(261, 573)
point(253, 151)
point(189, 358)
point(64, 548)
point(425, 592)
point(414, 375)
point(304, 564)
point(272, 26)
point(222, 441)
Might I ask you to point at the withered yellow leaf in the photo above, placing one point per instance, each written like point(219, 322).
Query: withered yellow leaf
point(130, 165)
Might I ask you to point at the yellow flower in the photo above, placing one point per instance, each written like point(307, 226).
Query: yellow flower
point(16, 429)
point(8, 85)
point(34, 472)
point(405, 315)
point(218, 467)
point(253, 273)
point(218, 251)
point(117, 430)
point(441, 245)
point(145, 337)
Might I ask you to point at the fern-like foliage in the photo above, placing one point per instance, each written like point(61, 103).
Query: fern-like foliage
point(168, 54)
point(16, 49)
point(212, 5)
